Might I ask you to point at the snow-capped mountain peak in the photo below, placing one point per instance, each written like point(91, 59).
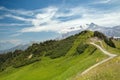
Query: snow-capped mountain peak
point(92, 26)
point(75, 28)
point(109, 31)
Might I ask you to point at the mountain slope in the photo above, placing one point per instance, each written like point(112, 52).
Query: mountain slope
point(53, 60)
point(108, 31)
point(79, 40)
point(108, 70)
point(111, 56)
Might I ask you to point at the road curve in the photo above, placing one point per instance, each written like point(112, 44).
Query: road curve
point(104, 51)
point(97, 64)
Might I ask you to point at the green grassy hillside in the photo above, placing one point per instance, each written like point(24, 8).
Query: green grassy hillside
point(54, 69)
point(107, 71)
point(52, 60)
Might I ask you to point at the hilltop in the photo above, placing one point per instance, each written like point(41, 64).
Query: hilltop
point(56, 59)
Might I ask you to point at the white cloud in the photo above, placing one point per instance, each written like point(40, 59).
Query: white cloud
point(2, 8)
point(45, 16)
point(85, 16)
point(17, 34)
point(20, 11)
point(13, 24)
point(101, 1)
point(47, 19)
point(18, 17)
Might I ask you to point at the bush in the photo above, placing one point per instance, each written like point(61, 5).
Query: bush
point(81, 48)
point(25, 62)
point(107, 40)
point(50, 48)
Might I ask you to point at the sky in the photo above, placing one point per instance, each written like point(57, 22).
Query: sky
point(24, 21)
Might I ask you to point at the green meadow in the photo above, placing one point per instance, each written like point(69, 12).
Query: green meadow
point(60, 60)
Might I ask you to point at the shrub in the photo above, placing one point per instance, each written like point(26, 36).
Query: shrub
point(81, 48)
point(107, 40)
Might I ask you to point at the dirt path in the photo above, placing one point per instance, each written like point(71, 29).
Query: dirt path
point(97, 64)
point(104, 51)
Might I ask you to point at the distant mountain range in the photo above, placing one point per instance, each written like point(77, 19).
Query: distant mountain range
point(18, 47)
point(6, 45)
point(109, 31)
point(59, 59)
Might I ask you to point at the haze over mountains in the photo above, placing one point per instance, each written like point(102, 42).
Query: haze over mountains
point(109, 31)
point(18, 47)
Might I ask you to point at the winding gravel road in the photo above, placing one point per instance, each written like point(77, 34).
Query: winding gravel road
point(97, 64)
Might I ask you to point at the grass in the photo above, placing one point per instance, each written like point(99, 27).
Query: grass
point(107, 71)
point(80, 39)
point(68, 66)
point(111, 49)
point(54, 69)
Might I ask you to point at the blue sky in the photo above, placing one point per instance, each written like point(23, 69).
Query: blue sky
point(23, 21)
